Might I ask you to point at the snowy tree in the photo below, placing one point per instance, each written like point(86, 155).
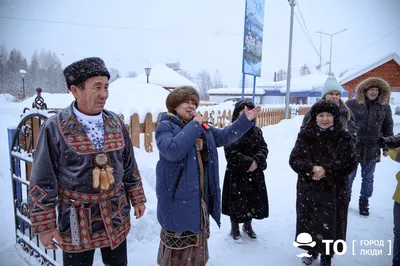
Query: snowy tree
point(34, 75)
point(132, 74)
point(217, 80)
point(14, 64)
point(248, 83)
point(281, 75)
point(186, 75)
point(51, 78)
point(204, 83)
point(304, 70)
point(3, 69)
point(114, 74)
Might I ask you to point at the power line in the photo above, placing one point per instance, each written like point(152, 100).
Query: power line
point(308, 33)
point(374, 42)
point(308, 38)
point(118, 27)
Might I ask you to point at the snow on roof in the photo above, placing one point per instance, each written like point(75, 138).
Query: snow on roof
point(311, 82)
point(360, 70)
point(266, 82)
point(127, 96)
point(53, 100)
point(164, 76)
point(234, 91)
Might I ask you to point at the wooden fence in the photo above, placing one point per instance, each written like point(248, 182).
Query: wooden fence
point(220, 119)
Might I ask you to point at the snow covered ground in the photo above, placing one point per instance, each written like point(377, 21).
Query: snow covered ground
point(275, 234)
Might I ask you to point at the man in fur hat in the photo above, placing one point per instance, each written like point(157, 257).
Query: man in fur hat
point(85, 167)
point(373, 118)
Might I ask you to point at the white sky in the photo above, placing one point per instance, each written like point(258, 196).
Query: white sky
point(206, 34)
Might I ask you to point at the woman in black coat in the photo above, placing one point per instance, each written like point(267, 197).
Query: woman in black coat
point(323, 157)
point(244, 195)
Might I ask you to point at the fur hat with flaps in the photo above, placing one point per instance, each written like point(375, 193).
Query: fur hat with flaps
point(239, 106)
point(384, 90)
point(325, 106)
point(180, 95)
point(84, 69)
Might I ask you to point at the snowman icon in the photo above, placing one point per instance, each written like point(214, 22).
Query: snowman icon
point(304, 239)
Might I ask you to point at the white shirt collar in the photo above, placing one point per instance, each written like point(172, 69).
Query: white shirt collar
point(86, 117)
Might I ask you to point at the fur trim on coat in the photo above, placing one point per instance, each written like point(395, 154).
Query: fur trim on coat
point(384, 90)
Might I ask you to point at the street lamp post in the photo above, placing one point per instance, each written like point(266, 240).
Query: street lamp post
point(330, 58)
point(147, 70)
point(22, 72)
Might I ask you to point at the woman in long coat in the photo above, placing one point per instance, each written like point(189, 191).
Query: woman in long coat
point(323, 157)
point(187, 183)
point(244, 195)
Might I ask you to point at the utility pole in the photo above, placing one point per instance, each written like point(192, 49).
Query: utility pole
point(320, 51)
point(292, 4)
point(330, 57)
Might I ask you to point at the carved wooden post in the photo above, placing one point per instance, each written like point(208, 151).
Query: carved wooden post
point(212, 120)
point(205, 115)
point(135, 130)
point(148, 132)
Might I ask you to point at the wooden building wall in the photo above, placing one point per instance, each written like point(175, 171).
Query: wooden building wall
point(389, 71)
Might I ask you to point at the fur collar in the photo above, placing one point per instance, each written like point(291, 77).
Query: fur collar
point(384, 96)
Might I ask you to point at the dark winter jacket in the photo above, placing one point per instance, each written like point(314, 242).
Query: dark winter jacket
point(391, 142)
point(322, 205)
point(244, 193)
point(61, 184)
point(373, 120)
point(177, 172)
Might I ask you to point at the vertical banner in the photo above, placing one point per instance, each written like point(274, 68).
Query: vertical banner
point(253, 37)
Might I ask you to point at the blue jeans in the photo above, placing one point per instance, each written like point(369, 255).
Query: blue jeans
point(367, 175)
point(396, 231)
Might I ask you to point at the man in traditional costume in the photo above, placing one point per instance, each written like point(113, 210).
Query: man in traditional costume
point(84, 175)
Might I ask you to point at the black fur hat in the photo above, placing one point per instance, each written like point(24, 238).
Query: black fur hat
point(180, 95)
point(325, 106)
point(239, 106)
point(84, 69)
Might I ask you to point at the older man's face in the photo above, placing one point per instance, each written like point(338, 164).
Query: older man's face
point(372, 93)
point(92, 98)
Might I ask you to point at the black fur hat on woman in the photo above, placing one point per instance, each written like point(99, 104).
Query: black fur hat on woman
point(325, 106)
point(239, 106)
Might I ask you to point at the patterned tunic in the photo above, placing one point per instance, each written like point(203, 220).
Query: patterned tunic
point(87, 217)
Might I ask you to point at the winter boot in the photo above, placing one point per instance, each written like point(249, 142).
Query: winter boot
point(235, 233)
point(309, 260)
point(247, 228)
point(364, 207)
point(325, 260)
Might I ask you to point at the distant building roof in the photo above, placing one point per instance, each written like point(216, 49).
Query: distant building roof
point(311, 82)
point(127, 94)
point(234, 91)
point(360, 70)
